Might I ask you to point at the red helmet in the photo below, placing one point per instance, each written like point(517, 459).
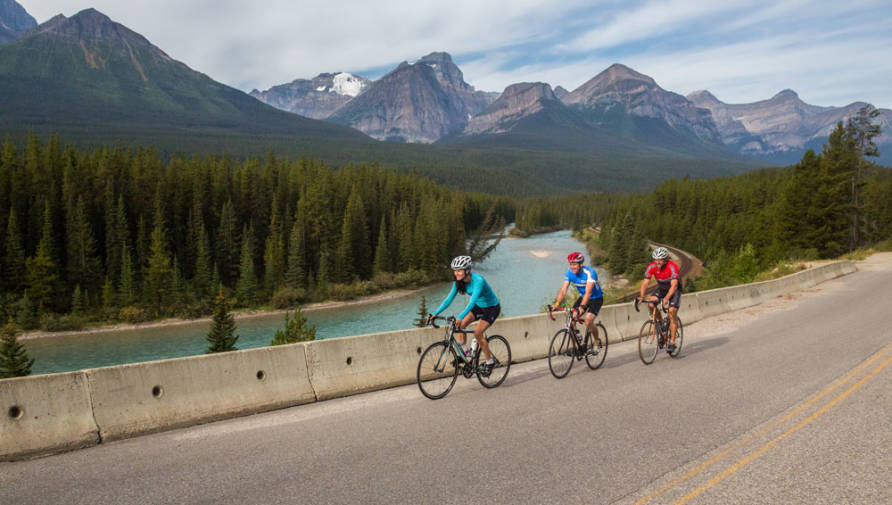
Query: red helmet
point(575, 257)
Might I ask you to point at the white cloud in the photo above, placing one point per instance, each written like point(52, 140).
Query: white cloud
point(830, 52)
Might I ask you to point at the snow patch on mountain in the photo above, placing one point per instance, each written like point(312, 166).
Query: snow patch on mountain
point(347, 84)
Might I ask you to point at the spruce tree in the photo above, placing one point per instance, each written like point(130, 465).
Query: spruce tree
point(14, 361)
point(296, 276)
point(421, 322)
point(246, 288)
point(221, 337)
point(382, 250)
point(158, 271)
point(14, 260)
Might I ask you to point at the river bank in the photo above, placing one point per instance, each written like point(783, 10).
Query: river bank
point(237, 314)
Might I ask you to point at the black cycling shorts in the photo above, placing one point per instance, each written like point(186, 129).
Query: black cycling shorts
point(488, 314)
point(593, 305)
point(675, 301)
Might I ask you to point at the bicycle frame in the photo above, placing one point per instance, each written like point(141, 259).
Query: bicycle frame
point(570, 325)
point(452, 343)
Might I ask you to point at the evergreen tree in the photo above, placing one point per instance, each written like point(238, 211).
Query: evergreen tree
point(296, 330)
point(382, 250)
point(14, 361)
point(83, 264)
point(77, 301)
point(127, 287)
point(158, 271)
point(353, 253)
point(227, 246)
point(296, 276)
point(246, 289)
point(861, 130)
point(203, 272)
point(14, 260)
point(41, 278)
point(221, 337)
point(421, 322)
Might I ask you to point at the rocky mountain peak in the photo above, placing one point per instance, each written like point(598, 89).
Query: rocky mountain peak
point(92, 25)
point(786, 95)
point(316, 98)
point(14, 20)
point(415, 102)
point(701, 97)
point(517, 101)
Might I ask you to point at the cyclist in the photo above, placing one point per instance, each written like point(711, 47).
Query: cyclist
point(668, 289)
point(482, 307)
point(591, 298)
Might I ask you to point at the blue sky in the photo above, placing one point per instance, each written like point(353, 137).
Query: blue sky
point(830, 52)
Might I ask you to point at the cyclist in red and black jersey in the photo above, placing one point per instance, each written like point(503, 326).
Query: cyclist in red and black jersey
point(668, 289)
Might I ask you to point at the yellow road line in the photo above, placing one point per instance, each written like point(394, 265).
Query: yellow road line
point(745, 461)
point(715, 459)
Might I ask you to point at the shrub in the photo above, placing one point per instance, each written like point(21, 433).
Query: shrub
point(132, 315)
point(287, 297)
point(296, 330)
point(56, 322)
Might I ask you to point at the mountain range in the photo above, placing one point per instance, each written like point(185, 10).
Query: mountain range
point(96, 82)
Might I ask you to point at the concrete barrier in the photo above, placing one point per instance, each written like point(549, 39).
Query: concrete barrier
point(528, 336)
point(145, 397)
point(45, 414)
point(350, 365)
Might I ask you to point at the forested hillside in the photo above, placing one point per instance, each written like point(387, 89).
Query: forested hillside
point(120, 233)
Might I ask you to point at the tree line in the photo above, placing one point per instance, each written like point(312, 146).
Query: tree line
point(826, 205)
point(121, 233)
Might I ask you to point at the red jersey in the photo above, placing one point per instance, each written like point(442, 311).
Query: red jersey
point(663, 275)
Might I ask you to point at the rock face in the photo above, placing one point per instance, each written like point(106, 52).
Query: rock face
point(316, 98)
point(14, 20)
point(416, 102)
point(781, 124)
point(515, 103)
point(620, 87)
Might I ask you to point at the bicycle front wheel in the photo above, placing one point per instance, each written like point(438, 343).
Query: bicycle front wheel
point(648, 342)
point(595, 352)
point(679, 338)
point(561, 353)
point(437, 371)
point(501, 353)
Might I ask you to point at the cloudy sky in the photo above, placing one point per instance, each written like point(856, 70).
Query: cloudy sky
point(830, 52)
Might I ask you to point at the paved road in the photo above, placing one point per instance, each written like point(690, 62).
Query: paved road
point(788, 402)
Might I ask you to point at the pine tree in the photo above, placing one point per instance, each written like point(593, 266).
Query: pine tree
point(203, 273)
point(14, 360)
point(421, 322)
point(221, 336)
point(296, 330)
point(227, 245)
point(862, 131)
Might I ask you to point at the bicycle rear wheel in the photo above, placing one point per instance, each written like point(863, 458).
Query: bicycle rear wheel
point(679, 338)
point(561, 353)
point(595, 353)
point(436, 370)
point(648, 342)
point(501, 353)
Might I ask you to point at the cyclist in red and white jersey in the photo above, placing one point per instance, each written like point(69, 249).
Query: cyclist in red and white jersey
point(668, 289)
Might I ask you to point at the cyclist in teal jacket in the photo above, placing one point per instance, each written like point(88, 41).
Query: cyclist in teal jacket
point(483, 306)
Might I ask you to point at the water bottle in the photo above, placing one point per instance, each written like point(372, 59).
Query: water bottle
point(473, 345)
point(665, 326)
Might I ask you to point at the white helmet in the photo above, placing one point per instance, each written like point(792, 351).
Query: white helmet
point(461, 263)
point(660, 253)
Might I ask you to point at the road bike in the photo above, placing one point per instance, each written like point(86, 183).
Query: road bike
point(655, 335)
point(441, 363)
point(568, 346)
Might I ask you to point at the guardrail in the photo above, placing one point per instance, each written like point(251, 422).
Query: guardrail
point(57, 412)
